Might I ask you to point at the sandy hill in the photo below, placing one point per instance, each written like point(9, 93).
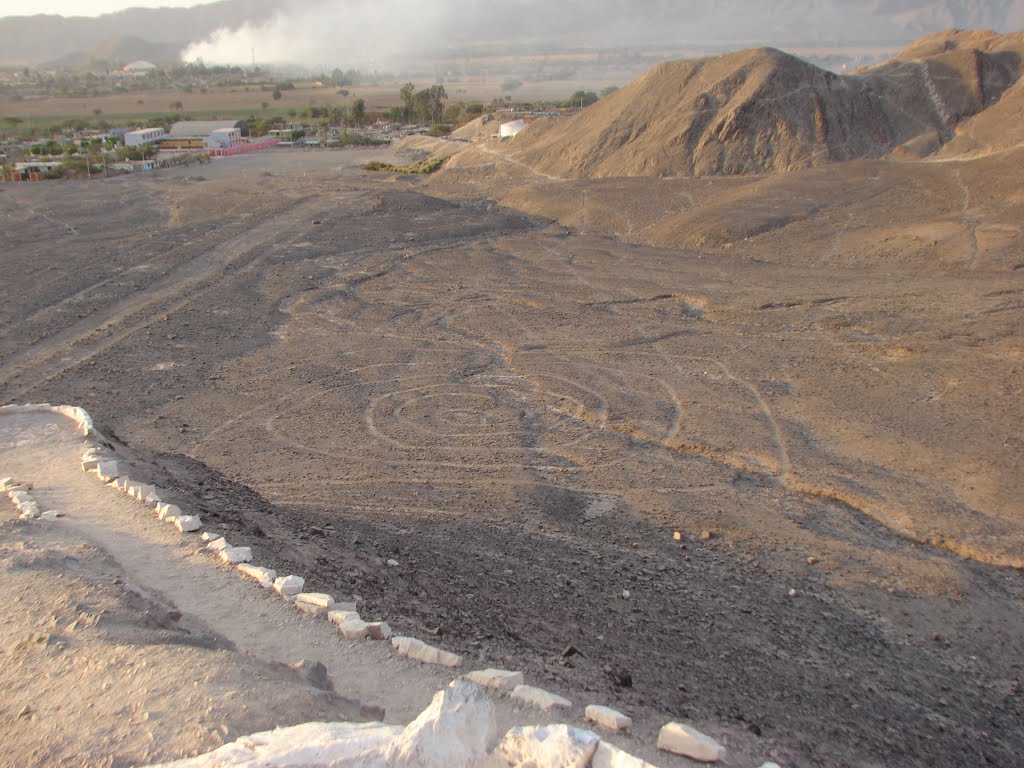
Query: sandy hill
point(121, 50)
point(763, 110)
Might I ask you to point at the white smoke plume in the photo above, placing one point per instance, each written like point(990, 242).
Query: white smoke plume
point(325, 33)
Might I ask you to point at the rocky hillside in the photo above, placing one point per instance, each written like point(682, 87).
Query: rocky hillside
point(765, 111)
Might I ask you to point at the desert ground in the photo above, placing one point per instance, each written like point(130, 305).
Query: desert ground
point(521, 388)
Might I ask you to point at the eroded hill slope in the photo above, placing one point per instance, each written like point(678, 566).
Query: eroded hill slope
point(763, 110)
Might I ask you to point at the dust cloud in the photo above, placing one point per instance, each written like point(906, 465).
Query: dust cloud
point(332, 32)
point(325, 33)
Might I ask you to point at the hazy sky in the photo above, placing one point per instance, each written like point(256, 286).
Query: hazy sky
point(78, 8)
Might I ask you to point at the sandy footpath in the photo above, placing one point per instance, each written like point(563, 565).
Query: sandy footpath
point(126, 644)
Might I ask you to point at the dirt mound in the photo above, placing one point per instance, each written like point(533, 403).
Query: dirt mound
point(763, 111)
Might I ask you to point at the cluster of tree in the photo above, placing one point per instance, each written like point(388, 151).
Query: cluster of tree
point(344, 78)
point(143, 152)
point(579, 100)
point(199, 69)
point(426, 106)
point(78, 158)
point(94, 146)
point(49, 148)
point(452, 115)
point(355, 114)
point(30, 132)
point(276, 90)
point(583, 98)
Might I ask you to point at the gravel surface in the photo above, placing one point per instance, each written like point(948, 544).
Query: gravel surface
point(344, 370)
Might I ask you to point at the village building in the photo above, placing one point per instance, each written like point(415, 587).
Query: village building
point(143, 136)
point(510, 129)
point(203, 134)
point(138, 68)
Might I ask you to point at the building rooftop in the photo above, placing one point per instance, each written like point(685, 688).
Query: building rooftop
point(192, 128)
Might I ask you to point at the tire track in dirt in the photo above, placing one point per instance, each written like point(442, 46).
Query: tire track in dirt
point(890, 517)
point(970, 221)
point(785, 467)
point(519, 163)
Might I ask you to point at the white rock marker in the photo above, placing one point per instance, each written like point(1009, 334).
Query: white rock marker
point(682, 739)
point(455, 731)
point(236, 555)
point(498, 679)
point(378, 630)
point(549, 746)
point(354, 629)
point(339, 617)
point(608, 718)
point(107, 471)
point(317, 603)
point(608, 756)
point(428, 654)
point(288, 586)
point(539, 698)
point(265, 576)
point(168, 511)
point(218, 545)
point(188, 524)
point(210, 536)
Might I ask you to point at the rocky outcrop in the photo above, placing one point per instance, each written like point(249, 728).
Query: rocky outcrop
point(765, 111)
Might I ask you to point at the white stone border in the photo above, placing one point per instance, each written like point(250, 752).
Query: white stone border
point(674, 737)
point(457, 730)
point(78, 415)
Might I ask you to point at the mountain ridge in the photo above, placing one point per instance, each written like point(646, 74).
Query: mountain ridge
point(765, 111)
point(41, 38)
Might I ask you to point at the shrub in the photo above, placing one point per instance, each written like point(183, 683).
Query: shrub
point(425, 166)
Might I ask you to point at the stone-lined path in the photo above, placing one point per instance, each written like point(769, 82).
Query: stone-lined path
point(46, 450)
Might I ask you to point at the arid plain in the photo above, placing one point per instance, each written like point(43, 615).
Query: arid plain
point(522, 387)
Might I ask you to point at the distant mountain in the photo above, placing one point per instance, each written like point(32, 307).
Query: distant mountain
point(121, 50)
point(762, 111)
point(339, 25)
point(44, 38)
